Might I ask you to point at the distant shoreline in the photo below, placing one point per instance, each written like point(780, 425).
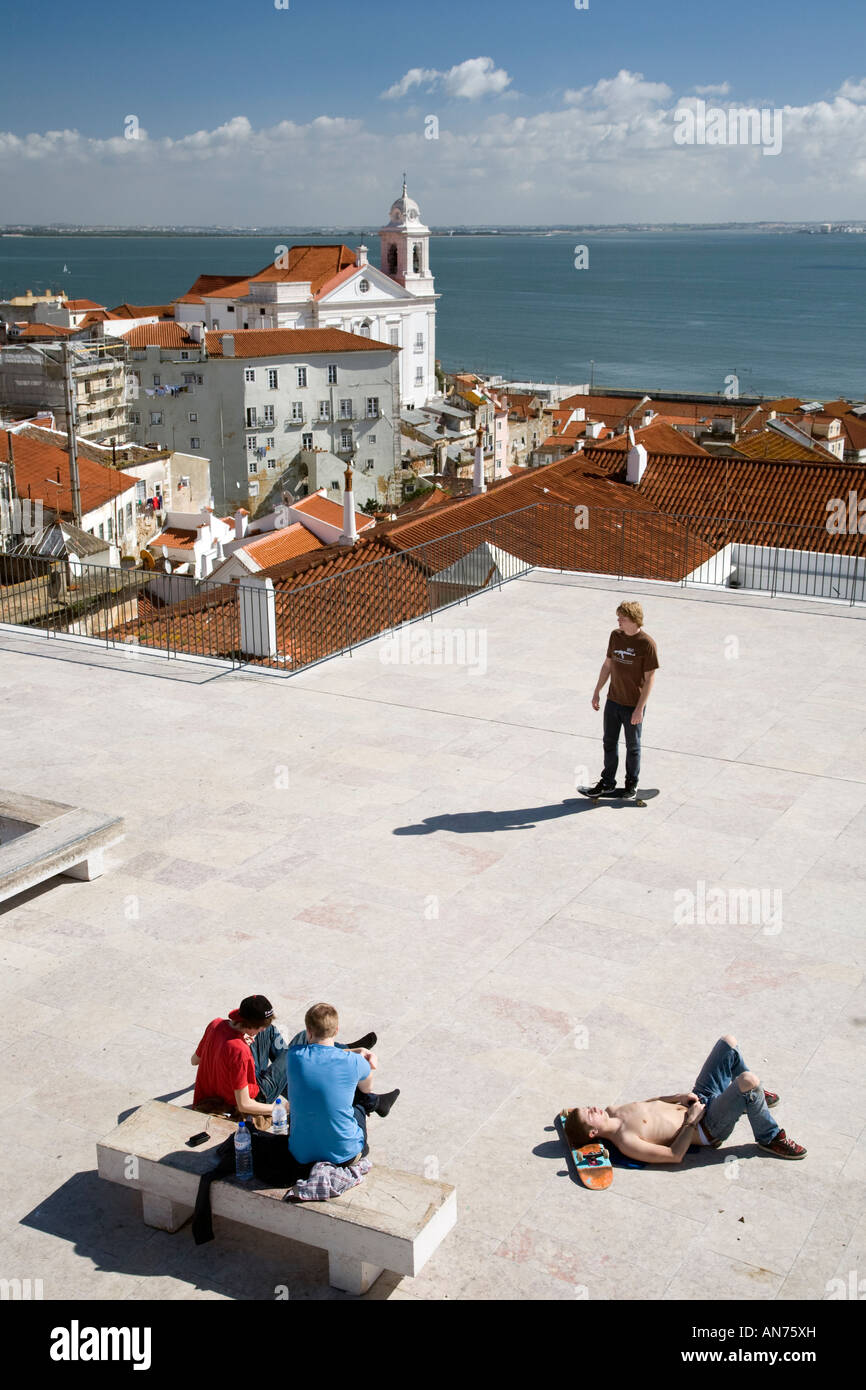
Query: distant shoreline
point(19, 232)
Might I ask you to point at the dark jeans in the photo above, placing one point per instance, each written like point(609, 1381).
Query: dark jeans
point(717, 1087)
point(269, 1050)
point(616, 718)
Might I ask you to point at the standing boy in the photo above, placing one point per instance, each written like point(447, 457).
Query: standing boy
point(631, 663)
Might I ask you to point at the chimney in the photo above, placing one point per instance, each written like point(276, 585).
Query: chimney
point(648, 415)
point(478, 483)
point(349, 534)
point(242, 521)
point(258, 616)
point(362, 255)
point(228, 345)
point(635, 460)
point(593, 429)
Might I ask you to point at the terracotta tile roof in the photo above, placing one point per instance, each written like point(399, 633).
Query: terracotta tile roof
point(292, 342)
point(46, 330)
point(765, 501)
point(77, 305)
point(278, 546)
point(39, 466)
point(326, 509)
point(95, 316)
point(658, 437)
point(431, 498)
point(770, 444)
point(210, 285)
point(142, 311)
point(855, 430)
point(317, 264)
point(167, 335)
point(174, 538)
point(654, 549)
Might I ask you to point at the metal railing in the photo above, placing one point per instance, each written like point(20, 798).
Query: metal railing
point(289, 628)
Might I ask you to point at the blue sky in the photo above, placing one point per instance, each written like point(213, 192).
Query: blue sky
point(250, 114)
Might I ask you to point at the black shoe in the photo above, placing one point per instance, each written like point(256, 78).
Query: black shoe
point(630, 792)
point(599, 789)
point(384, 1103)
point(369, 1040)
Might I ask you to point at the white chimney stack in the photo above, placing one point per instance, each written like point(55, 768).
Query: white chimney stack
point(362, 255)
point(228, 345)
point(478, 483)
point(350, 530)
point(636, 461)
point(242, 521)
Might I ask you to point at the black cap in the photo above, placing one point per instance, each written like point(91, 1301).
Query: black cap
point(256, 1008)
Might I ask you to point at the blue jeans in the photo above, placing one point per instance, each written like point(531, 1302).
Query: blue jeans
point(717, 1087)
point(269, 1049)
point(616, 718)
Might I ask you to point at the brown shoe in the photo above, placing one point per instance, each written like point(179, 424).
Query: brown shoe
point(783, 1147)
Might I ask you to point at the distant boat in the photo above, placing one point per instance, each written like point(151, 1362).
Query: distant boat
point(66, 270)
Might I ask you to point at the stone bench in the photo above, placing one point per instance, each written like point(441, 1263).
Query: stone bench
point(40, 839)
point(392, 1220)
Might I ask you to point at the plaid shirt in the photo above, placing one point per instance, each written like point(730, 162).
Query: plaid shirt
point(330, 1180)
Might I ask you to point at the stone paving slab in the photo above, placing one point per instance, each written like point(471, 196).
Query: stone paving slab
point(407, 841)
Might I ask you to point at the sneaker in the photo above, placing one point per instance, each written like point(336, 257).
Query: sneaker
point(599, 789)
point(369, 1041)
point(629, 792)
point(783, 1147)
point(771, 1098)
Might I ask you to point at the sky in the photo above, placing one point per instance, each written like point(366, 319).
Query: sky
point(260, 113)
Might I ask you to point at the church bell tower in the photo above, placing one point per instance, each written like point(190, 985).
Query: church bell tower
point(405, 243)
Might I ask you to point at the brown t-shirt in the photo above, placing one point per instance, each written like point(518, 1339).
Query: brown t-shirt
point(631, 658)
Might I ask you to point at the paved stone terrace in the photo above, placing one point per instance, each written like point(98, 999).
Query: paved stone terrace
point(404, 840)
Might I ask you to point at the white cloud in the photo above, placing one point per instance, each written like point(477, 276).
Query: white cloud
point(607, 154)
point(475, 78)
point(714, 89)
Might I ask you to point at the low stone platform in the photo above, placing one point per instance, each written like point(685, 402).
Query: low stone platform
point(40, 839)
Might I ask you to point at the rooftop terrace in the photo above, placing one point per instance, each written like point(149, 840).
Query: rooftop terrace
point(404, 839)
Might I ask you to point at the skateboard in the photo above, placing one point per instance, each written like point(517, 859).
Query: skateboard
point(618, 794)
point(591, 1163)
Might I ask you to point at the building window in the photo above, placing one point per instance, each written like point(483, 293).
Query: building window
point(332, 375)
point(392, 260)
point(297, 410)
point(184, 357)
point(252, 468)
point(273, 378)
point(195, 442)
point(419, 341)
point(416, 258)
point(394, 337)
point(135, 419)
point(345, 439)
point(369, 465)
point(193, 418)
point(365, 328)
point(251, 416)
point(129, 515)
point(110, 525)
point(335, 485)
point(302, 377)
point(249, 374)
point(269, 441)
point(272, 463)
point(141, 491)
point(306, 441)
point(101, 532)
point(269, 414)
point(345, 410)
point(324, 410)
point(419, 376)
point(371, 439)
point(372, 407)
point(120, 522)
point(363, 286)
point(156, 417)
point(156, 382)
point(252, 443)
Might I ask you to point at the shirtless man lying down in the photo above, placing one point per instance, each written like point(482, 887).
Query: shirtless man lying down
point(660, 1130)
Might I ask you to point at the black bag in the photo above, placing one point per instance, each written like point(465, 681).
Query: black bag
point(273, 1164)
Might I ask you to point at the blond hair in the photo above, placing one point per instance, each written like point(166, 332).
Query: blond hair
point(321, 1021)
point(632, 610)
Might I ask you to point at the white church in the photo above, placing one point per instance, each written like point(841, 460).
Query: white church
point(335, 287)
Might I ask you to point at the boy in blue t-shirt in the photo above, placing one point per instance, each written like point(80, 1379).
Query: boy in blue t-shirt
point(327, 1115)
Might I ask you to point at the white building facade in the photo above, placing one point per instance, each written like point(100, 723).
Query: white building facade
point(335, 287)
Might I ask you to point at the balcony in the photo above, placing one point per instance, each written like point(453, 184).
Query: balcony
point(260, 423)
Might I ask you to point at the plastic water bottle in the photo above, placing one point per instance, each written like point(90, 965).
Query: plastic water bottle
point(243, 1153)
point(280, 1122)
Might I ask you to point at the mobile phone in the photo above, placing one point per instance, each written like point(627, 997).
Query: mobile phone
point(197, 1139)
